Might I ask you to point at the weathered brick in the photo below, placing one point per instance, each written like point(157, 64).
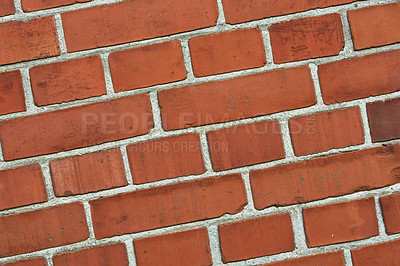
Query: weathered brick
point(384, 120)
point(33, 5)
point(28, 262)
point(7, 7)
point(390, 206)
point(332, 258)
point(325, 177)
point(12, 98)
point(378, 254)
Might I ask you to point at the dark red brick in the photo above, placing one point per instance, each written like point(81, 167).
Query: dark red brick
point(384, 120)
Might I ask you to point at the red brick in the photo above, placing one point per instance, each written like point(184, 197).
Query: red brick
point(375, 26)
point(7, 7)
point(181, 248)
point(307, 38)
point(257, 237)
point(245, 145)
point(88, 173)
point(68, 81)
point(340, 222)
point(21, 186)
point(325, 131)
point(41, 229)
point(21, 41)
point(33, 5)
point(391, 211)
point(237, 11)
point(12, 98)
point(227, 51)
point(332, 258)
point(384, 120)
point(168, 205)
point(114, 254)
point(243, 97)
point(135, 20)
point(360, 77)
point(76, 127)
point(325, 177)
point(165, 158)
point(147, 66)
point(28, 262)
point(378, 254)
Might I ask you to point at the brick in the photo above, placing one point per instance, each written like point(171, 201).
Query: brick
point(390, 206)
point(7, 7)
point(325, 177)
point(237, 11)
point(378, 254)
point(375, 26)
point(12, 98)
point(68, 81)
point(134, 21)
point(34, 5)
point(243, 97)
point(21, 186)
point(76, 127)
point(306, 38)
point(21, 41)
point(325, 131)
point(332, 258)
point(165, 158)
point(245, 145)
point(384, 120)
point(114, 254)
point(147, 66)
point(360, 77)
point(340, 222)
point(46, 228)
point(88, 173)
point(227, 51)
point(181, 248)
point(28, 262)
point(257, 237)
point(168, 205)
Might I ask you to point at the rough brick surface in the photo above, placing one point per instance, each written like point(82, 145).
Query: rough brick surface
point(12, 97)
point(76, 127)
point(88, 173)
point(237, 98)
point(181, 248)
point(340, 222)
point(360, 77)
point(21, 186)
point(375, 26)
point(147, 66)
point(135, 20)
point(33, 5)
point(390, 206)
point(21, 41)
point(378, 254)
point(384, 120)
point(306, 38)
point(114, 254)
point(256, 237)
point(68, 81)
point(7, 7)
point(227, 51)
point(325, 131)
point(245, 145)
point(325, 177)
point(28, 262)
point(51, 227)
point(166, 158)
point(168, 205)
point(332, 258)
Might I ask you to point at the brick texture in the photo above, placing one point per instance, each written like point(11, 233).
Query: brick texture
point(33, 5)
point(7, 7)
point(227, 51)
point(390, 206)
point(332, 258)
point(168, 205)
point(28, 262)
point(384, 120)
point(378, 254)
point(12, 97)
point(181, 248)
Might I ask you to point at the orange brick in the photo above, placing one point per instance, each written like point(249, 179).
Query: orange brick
point(257, 237)
point(378, 254)
point(307, 38)
point(181, 248)
point(147, 66)
point(7, 7)
point(375, 26)
point(245, 145)
point(68, 81)
point(332, 258)
point(227, 51)
point(391, 210)
point(28, 262)
point(33, 5)
point(384, 120)
point(12, 98)
point(325, 131)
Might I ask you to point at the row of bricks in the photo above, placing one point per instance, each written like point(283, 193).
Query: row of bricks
point(241, 240)
point(212, 54)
